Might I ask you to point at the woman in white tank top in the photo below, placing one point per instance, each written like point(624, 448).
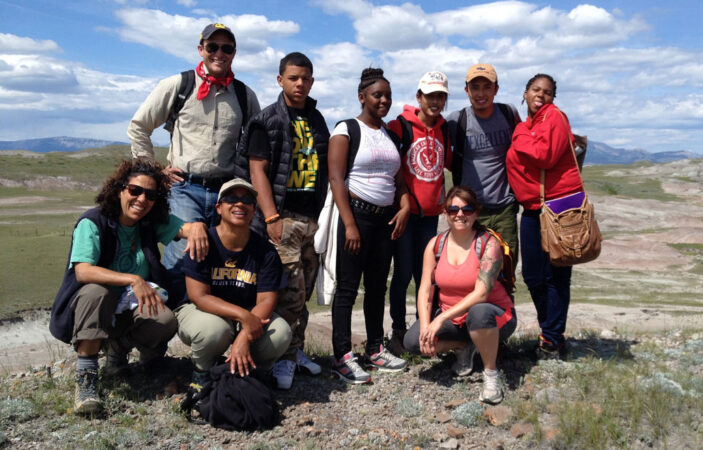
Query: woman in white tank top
point(367, 185)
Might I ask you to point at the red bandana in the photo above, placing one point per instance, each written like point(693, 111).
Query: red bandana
point(208, 81)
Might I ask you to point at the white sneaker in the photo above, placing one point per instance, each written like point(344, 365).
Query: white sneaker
point(492, 390)
point(307, 364)
point(283, 372)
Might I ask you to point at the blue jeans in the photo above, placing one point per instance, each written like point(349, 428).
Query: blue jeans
point(408, 251)
point(550, 286)
point(189, 202)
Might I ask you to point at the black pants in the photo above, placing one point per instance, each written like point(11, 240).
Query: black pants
point(373, 262)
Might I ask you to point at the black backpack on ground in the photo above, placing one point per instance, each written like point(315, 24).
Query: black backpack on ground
point(234, 403)
point(186, 89)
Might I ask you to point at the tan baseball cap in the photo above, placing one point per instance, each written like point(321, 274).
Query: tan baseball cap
point(482, 70)
point(235, 183)
point(434, 82)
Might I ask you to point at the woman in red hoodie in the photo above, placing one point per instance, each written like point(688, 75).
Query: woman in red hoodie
point(424, 156)
point(543, 142)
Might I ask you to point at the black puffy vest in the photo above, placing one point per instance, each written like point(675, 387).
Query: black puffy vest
point(277, 123)
point(61, 323)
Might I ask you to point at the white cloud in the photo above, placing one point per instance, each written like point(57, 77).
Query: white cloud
point(187, 3)
point(178, 35)
point(13, 44)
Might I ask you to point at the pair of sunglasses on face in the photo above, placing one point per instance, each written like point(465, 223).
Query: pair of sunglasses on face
point(212, 48)
point(136, 191)
point(466, 209)
point(232, 199)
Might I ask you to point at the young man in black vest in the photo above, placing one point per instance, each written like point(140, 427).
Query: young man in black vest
point(284, 152)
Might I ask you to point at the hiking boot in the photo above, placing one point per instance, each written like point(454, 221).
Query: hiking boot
point(116, 363)
point(283, 372)
point(395, 344)
point(492, 391)
point(464, 364)
point(548, 350)
point(86, 399)
point(306, 364)
point(385, 361)
point(348, 369)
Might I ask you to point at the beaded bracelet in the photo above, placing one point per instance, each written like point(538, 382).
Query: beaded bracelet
point(275, 218)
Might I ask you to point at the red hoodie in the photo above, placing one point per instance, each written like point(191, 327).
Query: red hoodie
point(423, 165)
point(542, 142)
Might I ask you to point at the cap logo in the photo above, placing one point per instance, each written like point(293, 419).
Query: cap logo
point(219, 25)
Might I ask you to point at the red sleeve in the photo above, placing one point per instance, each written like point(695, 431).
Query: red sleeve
point(544, 144)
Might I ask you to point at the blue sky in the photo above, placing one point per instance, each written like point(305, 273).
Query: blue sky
point(629, 74)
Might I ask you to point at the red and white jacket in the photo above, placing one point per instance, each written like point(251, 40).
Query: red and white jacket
point(423, 164)
point(542, 142)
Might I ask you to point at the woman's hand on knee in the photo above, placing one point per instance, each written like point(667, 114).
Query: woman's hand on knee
point(239, 359)
point(147, 297)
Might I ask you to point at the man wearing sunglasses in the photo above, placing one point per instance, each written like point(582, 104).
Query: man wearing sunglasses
point(233, 292)
point(205, 110)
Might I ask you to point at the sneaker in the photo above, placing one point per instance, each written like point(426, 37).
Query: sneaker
point(395, 344)
point(348, 369)
point(307, 364)
point(283, 372)
point(464, 364)
point(492, 391)
point(86, 399)
point(385, 361)
point(548, 350)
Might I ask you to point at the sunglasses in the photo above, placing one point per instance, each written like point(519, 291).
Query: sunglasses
point(454, 210)
point(247, 199)
point(212, 48)
point(136, 191)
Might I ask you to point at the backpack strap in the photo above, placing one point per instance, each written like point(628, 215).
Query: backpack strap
point(354, 131)
point(481, 241)
point(184, 91)
point(406, 140)
point(445, 140)
point(240, 90)
point(509, 115)
point(459, 143)
point(439, 242)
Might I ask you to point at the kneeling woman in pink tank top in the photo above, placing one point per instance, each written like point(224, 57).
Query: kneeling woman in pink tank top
point(473, 312)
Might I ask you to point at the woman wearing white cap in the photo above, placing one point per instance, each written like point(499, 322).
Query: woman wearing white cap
point(424, 154)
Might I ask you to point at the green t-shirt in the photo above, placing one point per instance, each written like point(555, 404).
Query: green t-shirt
point(130, 257)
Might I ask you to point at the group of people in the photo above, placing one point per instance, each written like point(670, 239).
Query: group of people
point(237, 208)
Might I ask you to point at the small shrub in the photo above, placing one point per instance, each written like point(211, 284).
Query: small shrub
point(469, 414)
point(408, 407)
point(16, 410)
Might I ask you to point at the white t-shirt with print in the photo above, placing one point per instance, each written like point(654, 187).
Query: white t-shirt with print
point(372, 177)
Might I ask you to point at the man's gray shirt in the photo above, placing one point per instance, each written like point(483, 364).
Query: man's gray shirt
point(483, 165)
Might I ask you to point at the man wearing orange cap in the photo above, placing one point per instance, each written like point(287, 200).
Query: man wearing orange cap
point(481, 135)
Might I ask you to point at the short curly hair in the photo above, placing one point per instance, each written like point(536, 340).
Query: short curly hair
point(109, 197)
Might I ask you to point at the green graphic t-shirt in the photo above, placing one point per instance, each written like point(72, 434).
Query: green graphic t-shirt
point(300, 197)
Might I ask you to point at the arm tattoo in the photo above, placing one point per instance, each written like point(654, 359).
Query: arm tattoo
point(489, 266)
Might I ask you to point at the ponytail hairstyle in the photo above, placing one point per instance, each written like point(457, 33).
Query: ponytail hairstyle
point(369, 76)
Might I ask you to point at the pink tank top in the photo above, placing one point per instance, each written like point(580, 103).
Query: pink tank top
point(455, 282)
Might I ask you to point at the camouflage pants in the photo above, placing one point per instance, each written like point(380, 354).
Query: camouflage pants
point(300, 263)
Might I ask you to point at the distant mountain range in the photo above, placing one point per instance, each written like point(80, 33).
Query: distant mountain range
point(598, 152)
point(56, 144)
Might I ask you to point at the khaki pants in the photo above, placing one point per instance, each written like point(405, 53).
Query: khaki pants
point(94, 311)
point(209, 336)
point(300, 263)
